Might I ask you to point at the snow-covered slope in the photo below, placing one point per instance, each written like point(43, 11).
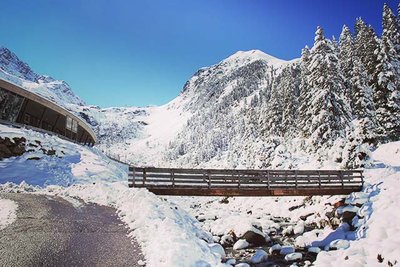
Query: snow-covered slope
point(168, 235)
point(146, 136)
point(181, 240)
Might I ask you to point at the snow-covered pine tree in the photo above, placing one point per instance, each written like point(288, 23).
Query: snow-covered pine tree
point(366, 46)
point(361, 135)
point(273, 112)
point(346, 51)
point(330, 113)
point(387, 79)
point(304, 118)
point(289, 85)
point(335, 44)
point(362, 101)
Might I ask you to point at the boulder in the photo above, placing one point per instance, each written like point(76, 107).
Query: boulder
point(275, 249)
point(9, 148)
point(286, 250)
point(299, 228)
point(339, 244)
point(231, 261)
point(288, 231)
point(339, 204)
point(227, 241)
point(241, 244)
point(259, 256)
point(294, 256)
point(257, 238)
point(217, 249)
point(314, 250)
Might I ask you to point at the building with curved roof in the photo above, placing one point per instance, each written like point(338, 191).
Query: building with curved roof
point(21, 107)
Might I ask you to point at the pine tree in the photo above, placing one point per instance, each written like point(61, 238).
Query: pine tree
point(346, 51)
point(274, 112)
point(289, 86)
point(362, 99)
point(366, 46)
point(387, 79)
point(304, 118)
point(330, 114)
point(335, 45)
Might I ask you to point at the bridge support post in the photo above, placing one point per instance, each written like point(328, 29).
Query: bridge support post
point(341, 178)
point(173, 179)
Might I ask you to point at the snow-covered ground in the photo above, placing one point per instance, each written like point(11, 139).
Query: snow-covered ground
point(167, 234)
point(8, 210)
point(167, 229)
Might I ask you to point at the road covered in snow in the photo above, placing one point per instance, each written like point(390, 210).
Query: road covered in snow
point(50, 231)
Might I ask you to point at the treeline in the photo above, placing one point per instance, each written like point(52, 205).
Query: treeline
point(341, 98)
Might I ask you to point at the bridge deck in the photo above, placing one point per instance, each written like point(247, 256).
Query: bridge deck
point(218, 182)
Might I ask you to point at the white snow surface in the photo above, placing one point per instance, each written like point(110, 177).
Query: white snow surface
point(241, 58)
point(167, 234)
point(8, 212)
point(166, 228)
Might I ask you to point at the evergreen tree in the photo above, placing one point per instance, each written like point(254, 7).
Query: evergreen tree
point(363, 105)
point(290, 94)
point(274, 112)
point(330, 113)
point(346, 51)
point(387, 79)
point(335, 45)
point(304, 118)
point(366, 46)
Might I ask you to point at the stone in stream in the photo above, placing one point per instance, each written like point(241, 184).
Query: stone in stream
point(339, 244)
point(259, 256)
point(288, 231)
point(256, 238)
point(241, 244)
point(299, 228)
point(227, 240)
point(314, 250)
point(287, 250)
point(275, 249)
point(294, 256)
point(231, 261)
point(217, 249)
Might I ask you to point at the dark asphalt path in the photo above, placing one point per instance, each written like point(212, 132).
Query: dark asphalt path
point(50, 231)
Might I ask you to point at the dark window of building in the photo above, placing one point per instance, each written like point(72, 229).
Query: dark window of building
point(10, 105)
point(27, 118)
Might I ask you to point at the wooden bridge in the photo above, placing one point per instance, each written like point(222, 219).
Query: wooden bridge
point(218, 182)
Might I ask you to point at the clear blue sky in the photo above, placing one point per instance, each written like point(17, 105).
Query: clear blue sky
point(116, 53)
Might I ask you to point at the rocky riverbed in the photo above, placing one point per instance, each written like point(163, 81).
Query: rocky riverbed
point(255, 237)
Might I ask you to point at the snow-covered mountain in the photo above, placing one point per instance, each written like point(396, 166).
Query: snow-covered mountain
point(252, 110)
point(18, 72)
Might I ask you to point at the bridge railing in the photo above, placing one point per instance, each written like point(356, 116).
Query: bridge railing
point(171, 178)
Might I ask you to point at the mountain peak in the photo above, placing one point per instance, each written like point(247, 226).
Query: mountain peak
point(16, 71)
point(241, 57)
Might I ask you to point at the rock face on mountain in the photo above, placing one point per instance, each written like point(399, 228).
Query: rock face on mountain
point(18, 72)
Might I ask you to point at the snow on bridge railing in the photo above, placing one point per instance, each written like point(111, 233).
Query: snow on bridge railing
point(222, 182)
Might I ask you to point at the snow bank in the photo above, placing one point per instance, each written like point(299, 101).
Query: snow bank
point(70, 164)
point(389, 154)
point(381, 223)
point(8, 212)
point(168, 235)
